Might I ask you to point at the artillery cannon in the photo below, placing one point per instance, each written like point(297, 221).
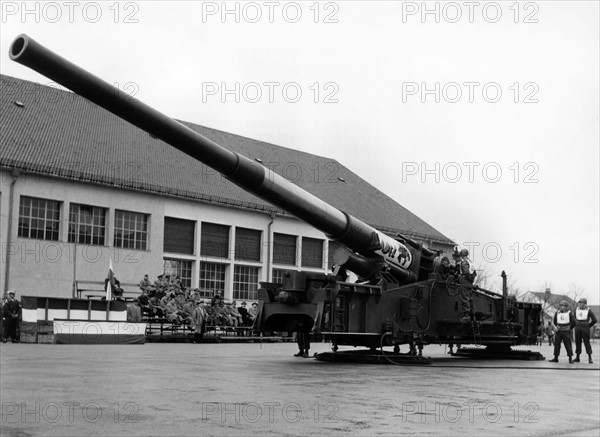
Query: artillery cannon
point(398, 298)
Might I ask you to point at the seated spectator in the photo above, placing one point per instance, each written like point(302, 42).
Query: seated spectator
point(233, 317)
point(155, 308)
point(218, 314)
point(164, 302)
point(145, 283)
point(144, 302)
point(134, 312)
point(178, 284)
point(116, 290)
point(247, 319)
point(253, 311)
point(176, 313)
point(159, 282)
point(189, 307)
point(199, 319)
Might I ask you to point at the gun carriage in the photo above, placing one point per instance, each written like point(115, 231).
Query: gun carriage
point(398, 299)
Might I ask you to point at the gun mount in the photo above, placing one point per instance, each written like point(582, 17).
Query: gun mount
point(399, 298)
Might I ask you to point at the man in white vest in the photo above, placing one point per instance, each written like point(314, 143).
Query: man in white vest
point(584, 319)
point(564, 321)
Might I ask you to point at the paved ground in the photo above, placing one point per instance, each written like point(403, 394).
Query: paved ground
point(254, 389)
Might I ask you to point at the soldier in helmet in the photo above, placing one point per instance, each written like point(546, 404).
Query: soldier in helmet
point(564, 321)
point(445, 270)
point(584, 319)
point(466, 285)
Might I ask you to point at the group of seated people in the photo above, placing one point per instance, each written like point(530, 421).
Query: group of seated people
point(168, 298)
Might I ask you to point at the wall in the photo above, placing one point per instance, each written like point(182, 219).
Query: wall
point(49, 268)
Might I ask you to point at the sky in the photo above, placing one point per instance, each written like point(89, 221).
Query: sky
point(480, 117)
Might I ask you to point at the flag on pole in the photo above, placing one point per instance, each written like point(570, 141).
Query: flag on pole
point(110, 281)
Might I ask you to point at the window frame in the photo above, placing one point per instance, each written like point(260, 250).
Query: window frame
point(119, 238)
point(74, 236)
point(25, 223)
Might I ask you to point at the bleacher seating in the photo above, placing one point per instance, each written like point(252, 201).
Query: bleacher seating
point(161, 329)
point(95, 290)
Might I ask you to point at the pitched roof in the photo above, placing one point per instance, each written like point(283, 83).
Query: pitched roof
point(553, 299)
point(57, 133)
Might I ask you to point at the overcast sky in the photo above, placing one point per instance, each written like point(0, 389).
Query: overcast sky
point(482, 119)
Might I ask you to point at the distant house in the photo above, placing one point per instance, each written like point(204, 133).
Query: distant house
point(549, 302)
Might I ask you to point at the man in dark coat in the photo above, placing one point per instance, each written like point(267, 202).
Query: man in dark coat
point(11, 311)
point(247, 319)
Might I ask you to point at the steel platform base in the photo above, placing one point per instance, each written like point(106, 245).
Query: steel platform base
point(372, 357)
point(498, 354)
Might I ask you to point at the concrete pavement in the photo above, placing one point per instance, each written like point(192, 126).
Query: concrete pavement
point(260, 389)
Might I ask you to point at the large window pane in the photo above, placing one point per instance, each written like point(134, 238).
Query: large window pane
point(214, 240)
point(245, 283)
point(87, 224)
point(131, 230)
point(179, 235)
point(179, 267)
point(247, 244)
point(312, 252)
point(39, 218)
point(212, 279)
point(284, 249)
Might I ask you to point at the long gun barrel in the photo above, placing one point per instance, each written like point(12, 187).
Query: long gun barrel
point(246, 173)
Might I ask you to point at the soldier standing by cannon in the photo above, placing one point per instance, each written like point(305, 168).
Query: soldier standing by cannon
point(584, 319)
point(466, 285)
point(564, 321)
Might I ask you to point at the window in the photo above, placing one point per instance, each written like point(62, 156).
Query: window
point(247, 244)
point(214, 240)
point(212, 279)
point(245, 283)
point(333, 246)
point(284, 249)
point(179, 236)
point(87, 224)
point(312, 252)
point(278, 275)
point(131, 230)
point(39, 218)
point(179, 267)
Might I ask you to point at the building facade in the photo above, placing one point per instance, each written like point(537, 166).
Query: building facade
point(81, 189)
